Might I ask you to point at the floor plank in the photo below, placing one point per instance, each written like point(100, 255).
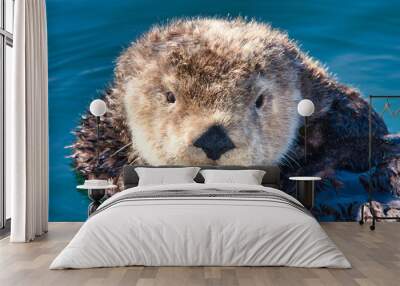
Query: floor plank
point(375, 257)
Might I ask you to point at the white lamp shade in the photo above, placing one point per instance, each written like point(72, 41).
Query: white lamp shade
point(98, 107)
point(305, 107)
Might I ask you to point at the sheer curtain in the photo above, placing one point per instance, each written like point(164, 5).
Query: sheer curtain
point(27, 120)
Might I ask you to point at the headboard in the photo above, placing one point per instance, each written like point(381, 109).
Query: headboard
point(271, 177)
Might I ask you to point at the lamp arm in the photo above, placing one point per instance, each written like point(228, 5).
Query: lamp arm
point(305, 139)
point(97, 143)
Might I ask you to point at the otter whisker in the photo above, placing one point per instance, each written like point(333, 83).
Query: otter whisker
point(135, 160)
point(294, 157)
point(283, 163)
point(115, 153)
point(286, 162)
point(292, 152)
point(291, 159)
point(120, 149)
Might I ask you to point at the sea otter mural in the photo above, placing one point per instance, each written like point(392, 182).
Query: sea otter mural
point(217, 91)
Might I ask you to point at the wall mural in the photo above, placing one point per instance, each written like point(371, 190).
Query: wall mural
point(212, 90)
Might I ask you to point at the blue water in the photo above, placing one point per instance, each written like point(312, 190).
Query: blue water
point(358, 40)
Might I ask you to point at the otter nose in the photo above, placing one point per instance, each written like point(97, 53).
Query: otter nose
point(214, 142)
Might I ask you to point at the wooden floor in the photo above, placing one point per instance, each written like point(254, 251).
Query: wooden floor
point(375, 257)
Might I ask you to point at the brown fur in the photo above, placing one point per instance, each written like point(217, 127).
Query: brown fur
point(217, 69)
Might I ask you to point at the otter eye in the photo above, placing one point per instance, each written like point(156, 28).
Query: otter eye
point(170, 97)
point(260, 101)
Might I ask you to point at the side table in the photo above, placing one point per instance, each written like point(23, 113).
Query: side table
point(96, 195)
point(305, 188)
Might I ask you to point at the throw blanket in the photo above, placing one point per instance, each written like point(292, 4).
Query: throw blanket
point(206, 194)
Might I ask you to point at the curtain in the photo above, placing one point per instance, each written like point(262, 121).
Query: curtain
point(27, 120)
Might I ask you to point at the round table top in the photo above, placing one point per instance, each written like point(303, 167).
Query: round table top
point(305, 178)
point(87, 187)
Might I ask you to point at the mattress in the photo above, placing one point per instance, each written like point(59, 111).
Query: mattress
point(201, 225)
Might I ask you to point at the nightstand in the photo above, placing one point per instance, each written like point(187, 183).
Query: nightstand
point(96, 194)
point(305, 187)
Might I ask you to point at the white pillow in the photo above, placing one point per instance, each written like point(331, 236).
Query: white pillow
point(165, 176)
point(248, 177)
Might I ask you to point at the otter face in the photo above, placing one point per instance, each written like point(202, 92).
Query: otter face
point(210, 92)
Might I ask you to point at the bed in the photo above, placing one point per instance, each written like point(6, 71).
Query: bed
point(199, 224)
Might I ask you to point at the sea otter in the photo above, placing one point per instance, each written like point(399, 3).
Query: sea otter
point(225, 91)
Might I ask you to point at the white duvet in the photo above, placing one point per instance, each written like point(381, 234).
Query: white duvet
point(185, 231)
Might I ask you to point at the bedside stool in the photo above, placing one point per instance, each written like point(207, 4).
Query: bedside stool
point(95, 194)
point(305, 190)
